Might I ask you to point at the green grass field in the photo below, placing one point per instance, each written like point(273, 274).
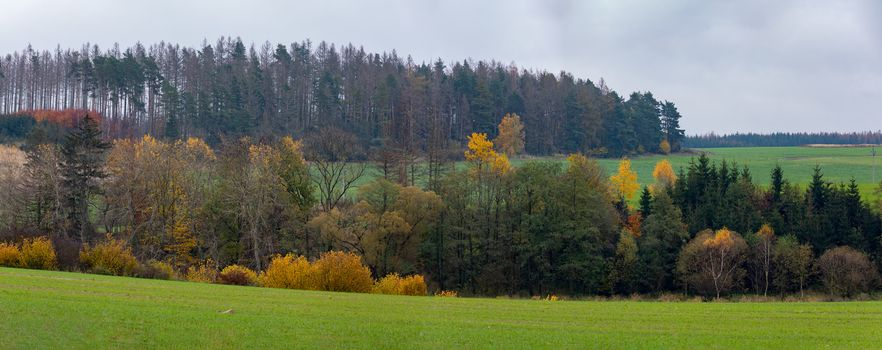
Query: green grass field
point(42, 309)
point(839, 164)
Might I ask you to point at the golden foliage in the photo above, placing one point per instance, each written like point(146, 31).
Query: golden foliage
point(342, 272)
point(483, 158)
point(289, 272)
point(10, 255)
point(480, 150)
point(238, 275)
point(204, 272)
point(510, 140)
point(551, 297)
point(395, 284)
point(37, 253)
point(182, 241)
point(624, 182)
point(665, 146)
point(500, 165)
point(664, 174)
point(112, 257)
point(766, 232)
point(722, 239)
point(334, 271)
point(447, 294)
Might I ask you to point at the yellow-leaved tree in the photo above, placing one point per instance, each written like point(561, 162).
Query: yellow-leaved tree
point(664, 175)
point(624, 182)
point(510, 140)
point(665, 146)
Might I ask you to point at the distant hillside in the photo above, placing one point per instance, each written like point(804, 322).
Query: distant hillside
point(783, 139)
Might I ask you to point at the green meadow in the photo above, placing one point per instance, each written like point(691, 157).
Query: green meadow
point(838, 164)
point(50, 310)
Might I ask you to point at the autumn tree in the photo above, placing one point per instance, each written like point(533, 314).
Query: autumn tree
point(12, 178)
point(760, 257)
point(386, 227)
point(664, 175)
point(711, 262)
point(624, 181)
point(510, 140)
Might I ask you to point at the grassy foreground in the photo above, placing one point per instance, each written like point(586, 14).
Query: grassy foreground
point(41, 309)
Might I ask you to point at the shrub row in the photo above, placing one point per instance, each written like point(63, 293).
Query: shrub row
point(33, 253)
point(334, 271)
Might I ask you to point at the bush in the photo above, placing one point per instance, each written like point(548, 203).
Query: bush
point(289, 272)
point(67, 252)
point(447, 294)
point(38, 253)
point(846, 271)
point(342, 272)
point(10, 255)
point(395, 284)
point(111, 257)
point(238, 275)
point(203, 272)
point(158, 270)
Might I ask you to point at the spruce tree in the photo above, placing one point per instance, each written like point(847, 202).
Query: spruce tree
point(82, 165)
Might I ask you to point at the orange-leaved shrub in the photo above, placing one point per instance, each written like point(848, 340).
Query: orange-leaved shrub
point(37, 253)
point(288, 271)
point(9, 255)
point(238, 275)
point(342, 272)
point(204, 272)
point(111, 257)
point(395, 284)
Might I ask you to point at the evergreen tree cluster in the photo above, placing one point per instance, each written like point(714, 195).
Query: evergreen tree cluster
point(228, 89)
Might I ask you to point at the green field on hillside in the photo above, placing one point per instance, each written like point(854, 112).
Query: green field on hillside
point(838, 164)
point(42, 309)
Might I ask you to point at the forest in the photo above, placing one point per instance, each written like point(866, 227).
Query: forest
point(781, 139)
point(226, 90)
point(482, 228)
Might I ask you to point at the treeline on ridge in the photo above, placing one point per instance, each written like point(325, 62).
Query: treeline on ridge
point(387, 101)
point(484, 229)
point(781, 139)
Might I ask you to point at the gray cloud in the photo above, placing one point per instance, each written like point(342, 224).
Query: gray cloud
point(730, 66)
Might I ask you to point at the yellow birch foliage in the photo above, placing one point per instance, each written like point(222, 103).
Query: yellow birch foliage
point(664, 174)
point(721, 240)
point(510, 140)
point(766, 232)
point(624, 182)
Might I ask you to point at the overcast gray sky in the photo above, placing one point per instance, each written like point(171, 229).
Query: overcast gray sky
point(729, 65)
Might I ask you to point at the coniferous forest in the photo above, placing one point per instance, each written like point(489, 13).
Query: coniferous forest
point(231, 89)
